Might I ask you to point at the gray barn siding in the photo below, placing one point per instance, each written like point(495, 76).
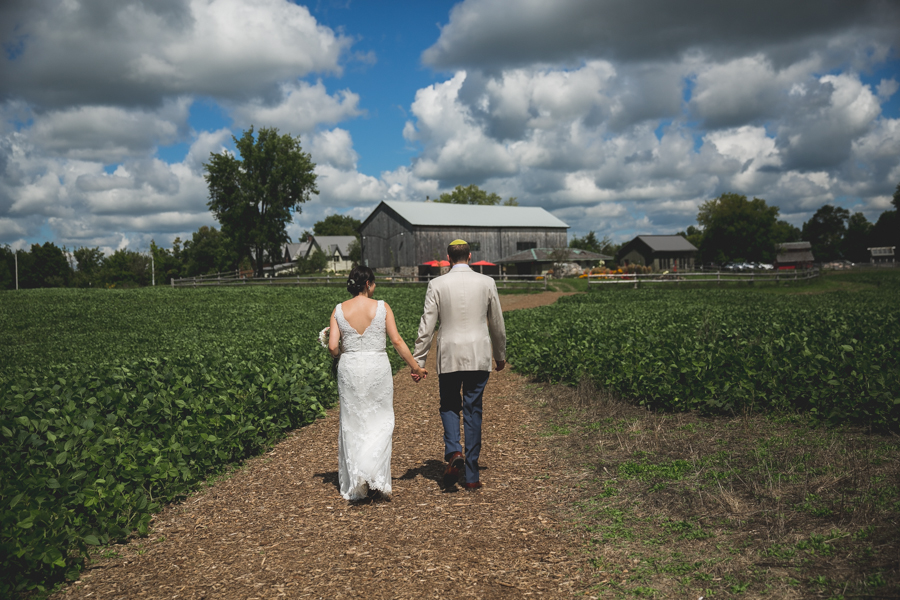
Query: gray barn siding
point(385, 233)
point(496, 242)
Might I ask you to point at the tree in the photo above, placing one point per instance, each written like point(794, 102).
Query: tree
point(208, 251)
point(168, 263)
point(736, 227)
point(693, 234)
point(354, 252)
point(46, 267)
point(474, 195)
point(590, 243)
point(126, 268)
point(785, 232)
point(855, 244)
point(314, 263)
point(254, 197)
point(7, 268)
point(337, 225)
point(886, 231)
point(825, 231)
point(89, 262)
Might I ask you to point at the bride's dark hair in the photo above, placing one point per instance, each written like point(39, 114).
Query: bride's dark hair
point(358, 279)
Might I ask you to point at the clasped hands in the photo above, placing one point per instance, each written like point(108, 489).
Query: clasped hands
point(419, 373)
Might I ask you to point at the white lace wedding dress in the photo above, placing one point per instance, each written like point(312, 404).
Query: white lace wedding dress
point(366, 390)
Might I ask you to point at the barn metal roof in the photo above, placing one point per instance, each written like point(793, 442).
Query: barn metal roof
point(467, 215)
point(667, 243)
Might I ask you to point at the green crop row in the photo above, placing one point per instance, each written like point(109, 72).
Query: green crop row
point(836, 356)
point(114, 402)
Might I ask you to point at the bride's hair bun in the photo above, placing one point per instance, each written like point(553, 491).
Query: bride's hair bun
point(358, 279)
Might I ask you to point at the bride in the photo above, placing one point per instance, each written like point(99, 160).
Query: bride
point(366, 387)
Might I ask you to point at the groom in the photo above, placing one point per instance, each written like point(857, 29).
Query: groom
point(472, 331)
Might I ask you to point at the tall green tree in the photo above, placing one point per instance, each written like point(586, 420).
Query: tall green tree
point(693, 234)
point(785, 232)
point(208, 251)
point(474, 195)
point(7, 268)
point(590, 243)
point(254, 197)
point(736, 227)
point(825, 232)
point(126, 268)
point(47, 267)
point(337, 225)
point(855, 244)
point(89, 262)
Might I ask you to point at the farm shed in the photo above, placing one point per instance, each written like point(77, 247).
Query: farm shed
point(794, 255)
point(538, 261)
point(407, 234)
point(882, 254)
point(661, 252)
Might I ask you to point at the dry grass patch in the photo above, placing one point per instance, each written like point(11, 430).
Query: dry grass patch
point(680, 505)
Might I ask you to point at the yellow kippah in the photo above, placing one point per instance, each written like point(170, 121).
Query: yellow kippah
point(458, 242)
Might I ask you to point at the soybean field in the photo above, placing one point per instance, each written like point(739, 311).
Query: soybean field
point(115, 402)
point(835, 356)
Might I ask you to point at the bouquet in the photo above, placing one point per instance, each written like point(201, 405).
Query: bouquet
point(323, 341)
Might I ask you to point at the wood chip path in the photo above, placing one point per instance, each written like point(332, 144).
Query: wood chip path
point(278, 528)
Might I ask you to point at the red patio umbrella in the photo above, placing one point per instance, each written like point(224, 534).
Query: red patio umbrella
point(437, 263)
point(482, 263)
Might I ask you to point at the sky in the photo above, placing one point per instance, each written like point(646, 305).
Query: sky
point(619, 117)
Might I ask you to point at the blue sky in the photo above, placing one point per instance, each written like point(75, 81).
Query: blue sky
point(618, 118)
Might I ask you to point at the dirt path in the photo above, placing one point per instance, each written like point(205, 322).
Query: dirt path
point(279, 528)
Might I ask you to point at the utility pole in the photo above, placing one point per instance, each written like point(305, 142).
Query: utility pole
point(17, 269)
point(152, 268)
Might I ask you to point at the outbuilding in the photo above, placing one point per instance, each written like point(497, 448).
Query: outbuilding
point(537, 261)
point(794, 255)
point(661, 252)
point(881, 255)
point(403, 235)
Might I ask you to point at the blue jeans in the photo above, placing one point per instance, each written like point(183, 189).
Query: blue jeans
point(472, 385)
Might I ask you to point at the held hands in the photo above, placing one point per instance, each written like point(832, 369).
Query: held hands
point(418, 373)
point(501, 364)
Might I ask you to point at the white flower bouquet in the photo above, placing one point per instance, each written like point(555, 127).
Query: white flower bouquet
point(323, 337)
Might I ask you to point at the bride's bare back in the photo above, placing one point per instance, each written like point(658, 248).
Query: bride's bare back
point(360, 312)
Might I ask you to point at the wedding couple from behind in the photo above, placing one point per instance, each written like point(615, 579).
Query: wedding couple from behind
point(472, 333)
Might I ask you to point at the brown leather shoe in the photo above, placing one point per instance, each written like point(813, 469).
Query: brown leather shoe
point(475, 485)
point(455, 463)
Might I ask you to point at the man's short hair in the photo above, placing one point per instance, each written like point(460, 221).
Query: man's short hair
point(458, 252)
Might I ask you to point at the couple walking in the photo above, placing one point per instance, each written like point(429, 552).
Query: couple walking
point(467, 306)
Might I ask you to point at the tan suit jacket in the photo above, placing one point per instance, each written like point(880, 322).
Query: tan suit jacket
point(472, 331)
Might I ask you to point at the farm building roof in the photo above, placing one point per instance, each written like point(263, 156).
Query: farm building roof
point(667, 243)
point(439, 214)
point(328, 243)
point(794, 252)
point(292, 251)
point(544, 255)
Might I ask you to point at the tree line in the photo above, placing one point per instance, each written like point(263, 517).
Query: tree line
point(207, 251)
point(733, 228)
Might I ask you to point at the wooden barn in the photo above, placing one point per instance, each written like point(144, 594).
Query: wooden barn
point(794, 255)
point(401, 235)
point(662, 252)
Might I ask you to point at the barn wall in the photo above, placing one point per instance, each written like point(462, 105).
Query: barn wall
point(495, 242)
point(387, 241)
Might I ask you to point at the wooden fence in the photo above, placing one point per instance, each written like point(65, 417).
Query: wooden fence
point(718, 277)
point(504, 282)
